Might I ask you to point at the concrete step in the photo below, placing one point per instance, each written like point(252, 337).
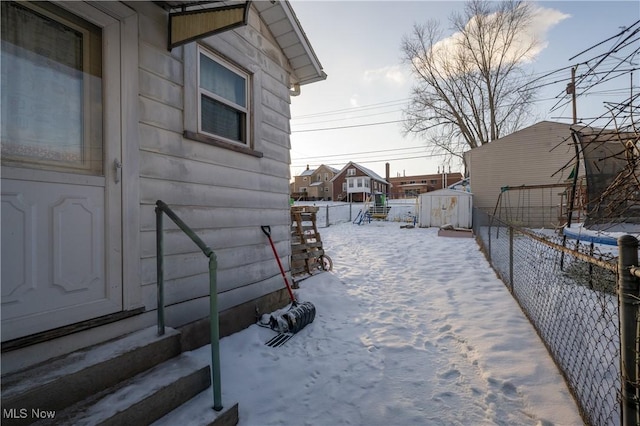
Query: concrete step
point(199, 411)
point(61, 383)
point(142, 399)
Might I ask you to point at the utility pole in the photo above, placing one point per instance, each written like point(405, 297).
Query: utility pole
point(571, 90)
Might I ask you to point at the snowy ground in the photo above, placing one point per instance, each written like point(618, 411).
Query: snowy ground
point(411, 329)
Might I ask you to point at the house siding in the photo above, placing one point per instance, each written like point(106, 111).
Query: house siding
point(532, 156)
point(222, 194)
point(225, 195)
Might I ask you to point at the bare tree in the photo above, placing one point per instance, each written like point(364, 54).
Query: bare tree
point(466, 92)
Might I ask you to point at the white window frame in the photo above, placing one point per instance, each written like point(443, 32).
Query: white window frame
point(191, 115)
point(351, 172)
point(246, 110)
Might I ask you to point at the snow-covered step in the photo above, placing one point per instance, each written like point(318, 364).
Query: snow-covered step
point(55, 385)
point(198, 410)
point(144, 398)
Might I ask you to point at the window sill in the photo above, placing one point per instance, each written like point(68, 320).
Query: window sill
point(198, 137)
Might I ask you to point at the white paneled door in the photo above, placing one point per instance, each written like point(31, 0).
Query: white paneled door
point(61, 195)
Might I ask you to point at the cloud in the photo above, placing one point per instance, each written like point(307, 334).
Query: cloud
point(543, 20)
point(531, 38)
point(391, 74)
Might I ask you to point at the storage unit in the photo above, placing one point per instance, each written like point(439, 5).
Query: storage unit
point(445, 206)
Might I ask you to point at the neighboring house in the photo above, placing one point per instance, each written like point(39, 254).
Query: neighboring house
point(412, 186)
point(100, 119)
point(315, 184)
point(541, 156)
point(356, 183)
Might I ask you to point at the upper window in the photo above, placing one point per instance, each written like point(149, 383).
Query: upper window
point(351, 172)
point(223, 92)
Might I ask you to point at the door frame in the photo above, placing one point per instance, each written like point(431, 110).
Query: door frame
point(126, 112)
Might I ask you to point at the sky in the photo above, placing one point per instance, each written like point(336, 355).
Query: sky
point(367, 85)
point(410, 329)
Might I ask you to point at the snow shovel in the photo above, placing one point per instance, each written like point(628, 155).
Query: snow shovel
point(297, 317)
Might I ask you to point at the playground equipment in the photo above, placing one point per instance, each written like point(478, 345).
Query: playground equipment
point(375, 207)
point(534, 206)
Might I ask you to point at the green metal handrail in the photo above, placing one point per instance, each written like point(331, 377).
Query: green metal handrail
point(161, 208)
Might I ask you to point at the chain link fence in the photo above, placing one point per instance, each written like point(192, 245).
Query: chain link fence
point(569, 293)
point(331, 213)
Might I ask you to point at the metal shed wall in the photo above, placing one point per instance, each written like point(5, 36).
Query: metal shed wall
point(445, 206)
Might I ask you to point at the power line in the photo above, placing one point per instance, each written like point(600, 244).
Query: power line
point(347, 127)
point(365, 152)
point(349, 118)
point(359, 108)
point(373, 161)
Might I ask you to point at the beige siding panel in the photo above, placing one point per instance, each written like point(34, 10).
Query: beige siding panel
point(231, 272)
point(161, 141)
point(275, 103)
point(528, 157)
point(274, 151)
point(276, 119)
point(156, 166)
point(161, 90)
point(182, 292)
point(240, 265)
point(221, 217)
point(254, 50)
point(154, 25)
point(276, 88)
point(204, 196)
point(176, 242)
point(225, 196)
point(182, 313)
point(160, 115)
point(236, 296)
point(160, 62)
point(276, 136)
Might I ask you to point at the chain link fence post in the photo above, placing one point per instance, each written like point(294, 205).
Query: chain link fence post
point(629, 302)
point(511, 230)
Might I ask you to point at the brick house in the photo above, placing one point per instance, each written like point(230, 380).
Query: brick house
point(356, 183)
point(412, 186)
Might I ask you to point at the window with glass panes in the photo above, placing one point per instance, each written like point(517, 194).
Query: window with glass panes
point(223, 99)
